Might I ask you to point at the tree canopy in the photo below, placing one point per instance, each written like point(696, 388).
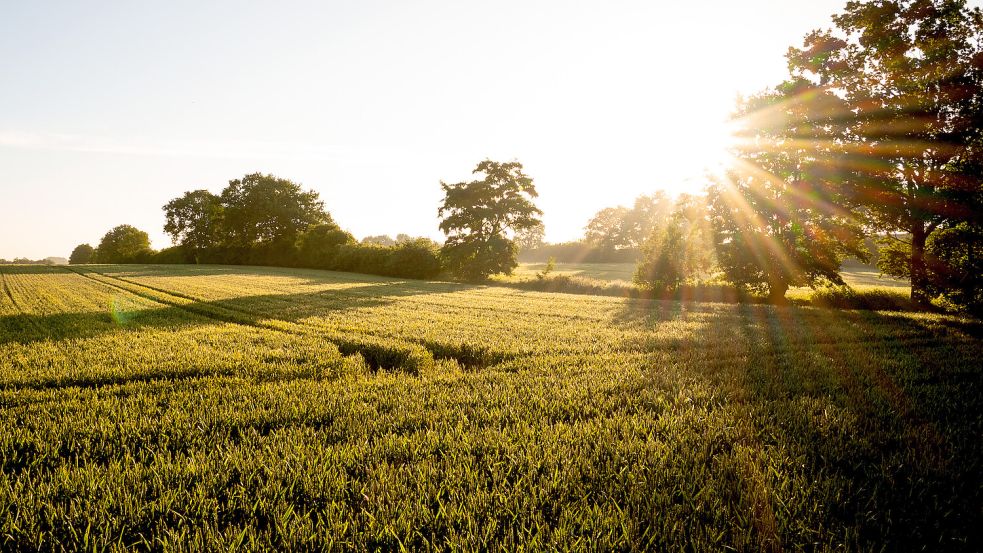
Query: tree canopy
point(781, 214)
point(124, 244)
point(264, 209)
point(910, 76)
point(82, 254)
point(617, 228)
point(194, 220)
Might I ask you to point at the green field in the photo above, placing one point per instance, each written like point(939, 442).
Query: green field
point(237, 407)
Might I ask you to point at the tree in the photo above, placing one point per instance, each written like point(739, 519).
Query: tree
point(953, 262)
point(124, 244)
point(531, 238)
point(606, 229)
point(911, 75)
point(780, 215)
point(617, 228)
point(81, 255)
point(679, 249)
point(379, 240)
point(478, 216)
point(194, 221)
point(265, 209)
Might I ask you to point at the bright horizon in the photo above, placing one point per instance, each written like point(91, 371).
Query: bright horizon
point(109, 112)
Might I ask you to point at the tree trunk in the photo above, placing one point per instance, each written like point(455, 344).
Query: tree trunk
point(776, 291)
point(918, 270)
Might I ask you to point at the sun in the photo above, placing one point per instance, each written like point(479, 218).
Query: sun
point(701, 152)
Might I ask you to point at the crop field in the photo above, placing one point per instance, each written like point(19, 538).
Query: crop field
point(186, 407)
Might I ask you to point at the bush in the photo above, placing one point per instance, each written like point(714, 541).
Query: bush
point(362, 258)
point(82, 254)
point(662, 264)
point(876, 299)
point(419, 258)
point(318, 247)
point(175, 255)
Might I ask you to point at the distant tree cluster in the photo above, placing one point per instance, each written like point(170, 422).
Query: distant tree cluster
point(26, 261)
point(265, 220)
point(623, 228)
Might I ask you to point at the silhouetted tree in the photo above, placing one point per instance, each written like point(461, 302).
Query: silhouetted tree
point(81, 255)
point(124, 244)
point(194, 221)
point(910, 73)
point(477, 217)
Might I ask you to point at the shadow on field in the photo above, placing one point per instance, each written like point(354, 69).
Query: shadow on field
point(32, 269)
point(295, 275)
point(176, 310)
point(883, 404)
point(27, 328)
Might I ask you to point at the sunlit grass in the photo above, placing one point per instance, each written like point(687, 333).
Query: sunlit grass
point(273, 409)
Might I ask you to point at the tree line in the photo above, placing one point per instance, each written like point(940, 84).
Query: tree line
point(876, 132)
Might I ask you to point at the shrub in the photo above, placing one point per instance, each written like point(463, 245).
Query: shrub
point(175, 255)
point(877, 299)
point(419, 258)
point(318, 247)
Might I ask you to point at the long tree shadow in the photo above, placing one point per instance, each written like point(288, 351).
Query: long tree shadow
point(303, 275)
point(248, 310)
point(885, 405)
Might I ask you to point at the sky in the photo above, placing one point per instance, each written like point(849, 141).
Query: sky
point(110, 109)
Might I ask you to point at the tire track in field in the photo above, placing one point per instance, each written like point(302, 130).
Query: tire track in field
point(6, 289)
point(208, 314)
point(379, 353)
point(348, 342)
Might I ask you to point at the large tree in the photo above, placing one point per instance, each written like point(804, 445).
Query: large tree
point(124, 244)
point(265, 209)
point(781, 215)
point(194, 221)
point(480, 218)
point(911, 75)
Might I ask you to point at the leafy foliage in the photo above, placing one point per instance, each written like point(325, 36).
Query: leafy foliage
point(124, 244)
point(680, 248)
point(194, 220)
point(781, 216)
point(953, 260)
point(477, 216)
point(910, 73)
point(82, 254)
point(620, 228)
point(265, 209)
